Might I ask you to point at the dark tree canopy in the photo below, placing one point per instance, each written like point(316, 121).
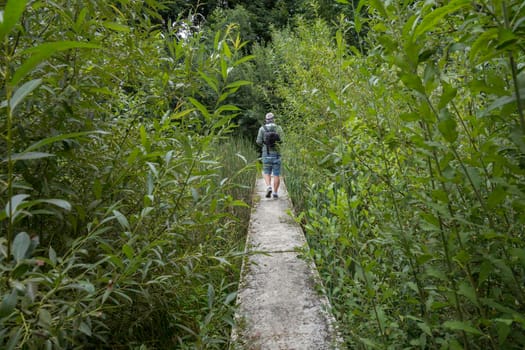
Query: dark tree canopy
point(262, 14)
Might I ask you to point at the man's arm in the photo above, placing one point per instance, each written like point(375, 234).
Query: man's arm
point(259, 140)
point(281, 133)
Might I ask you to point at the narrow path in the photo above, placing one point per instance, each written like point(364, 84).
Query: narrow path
point(280, 306)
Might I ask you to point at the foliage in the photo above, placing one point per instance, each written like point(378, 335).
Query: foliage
point(118, 202)
point(263, 14)
point(253, 21)
point(406, 165)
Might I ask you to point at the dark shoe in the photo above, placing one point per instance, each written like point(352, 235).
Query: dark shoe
point(275, 196)
point(268, 192)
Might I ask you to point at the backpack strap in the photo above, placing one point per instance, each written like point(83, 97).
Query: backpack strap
point(265, 130)
point(267, 147)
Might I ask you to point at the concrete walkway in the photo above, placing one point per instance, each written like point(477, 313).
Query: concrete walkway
point(279, 303)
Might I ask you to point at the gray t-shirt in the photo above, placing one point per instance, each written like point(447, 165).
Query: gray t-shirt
point(260, 137)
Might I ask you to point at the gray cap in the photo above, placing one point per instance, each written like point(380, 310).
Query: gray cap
point(269, 117)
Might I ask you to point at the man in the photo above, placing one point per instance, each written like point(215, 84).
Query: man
point(271, 156)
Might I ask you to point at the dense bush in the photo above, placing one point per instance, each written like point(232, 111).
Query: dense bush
point(124, 196)
point(406, 164)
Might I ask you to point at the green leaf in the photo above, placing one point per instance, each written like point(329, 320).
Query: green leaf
point(121, 219)
point(468, 291)
point(503, 101)
point(85, 328)
point(52, 256)
point(43, 52)
point(211, 295)
point(8, 304)
point(194, 194)
point(475, 177)
point(150, 185)
point(144, 213)
point(223, 96)
point(502, 308)
point(238, 83)
point(12, 13)
point(485, 270)
point(230, 297)
point(225, 108)
point(244, 59)
point(481, 44)
point(58, 202)
point(116, 27)
point(505, 38)
point(182, 114)
point(448, 127)
point(154, 170)
point(29, 156)
point(80, 19)
point(224, 69)
point(431, 20)
point(14, 340)
point(211, 81)
point(85, 286)
point(62, 137)
point(23, 91)
point(429, 222)
point(216, 39)
point(409, 117)
point(44, 318)
point(519, 253)
point(239, 203)
point(21, 246)
point(425, 328)
point(448, 94)
point(461, 326)
point(334, 97)
point(430, 77)
point(496, 197)
point(425, 55)
point(378, 5)
point(226, 49)
point(144, 140)
point(16, 200)
point(200, 107)
point(97, 189)
point(407, 30)
point(128, 251)
point(18, 204)
point(503, 327)
point(412, 81)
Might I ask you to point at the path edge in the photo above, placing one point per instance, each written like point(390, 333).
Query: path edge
point(236, 341)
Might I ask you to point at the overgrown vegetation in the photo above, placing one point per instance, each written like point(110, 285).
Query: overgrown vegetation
point(406, 164)
point(124, 195)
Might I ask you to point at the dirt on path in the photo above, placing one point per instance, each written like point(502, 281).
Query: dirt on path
point(280, 304)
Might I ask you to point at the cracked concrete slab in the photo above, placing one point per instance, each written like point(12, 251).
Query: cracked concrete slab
point(280, 301)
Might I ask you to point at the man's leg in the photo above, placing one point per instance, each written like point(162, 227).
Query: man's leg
point(267, 180)
point(267, 176)
point(276, 169)
point(276, 182)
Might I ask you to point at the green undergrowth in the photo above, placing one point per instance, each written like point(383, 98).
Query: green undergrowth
point(405, 162)
point(125, 196)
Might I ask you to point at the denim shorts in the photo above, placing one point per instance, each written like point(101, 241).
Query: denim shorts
point(272, 165)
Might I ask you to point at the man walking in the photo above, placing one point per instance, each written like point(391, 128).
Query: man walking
point(270, 135)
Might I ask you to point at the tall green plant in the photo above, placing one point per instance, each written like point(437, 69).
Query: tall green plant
point(413, 194)
point(117, 200)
